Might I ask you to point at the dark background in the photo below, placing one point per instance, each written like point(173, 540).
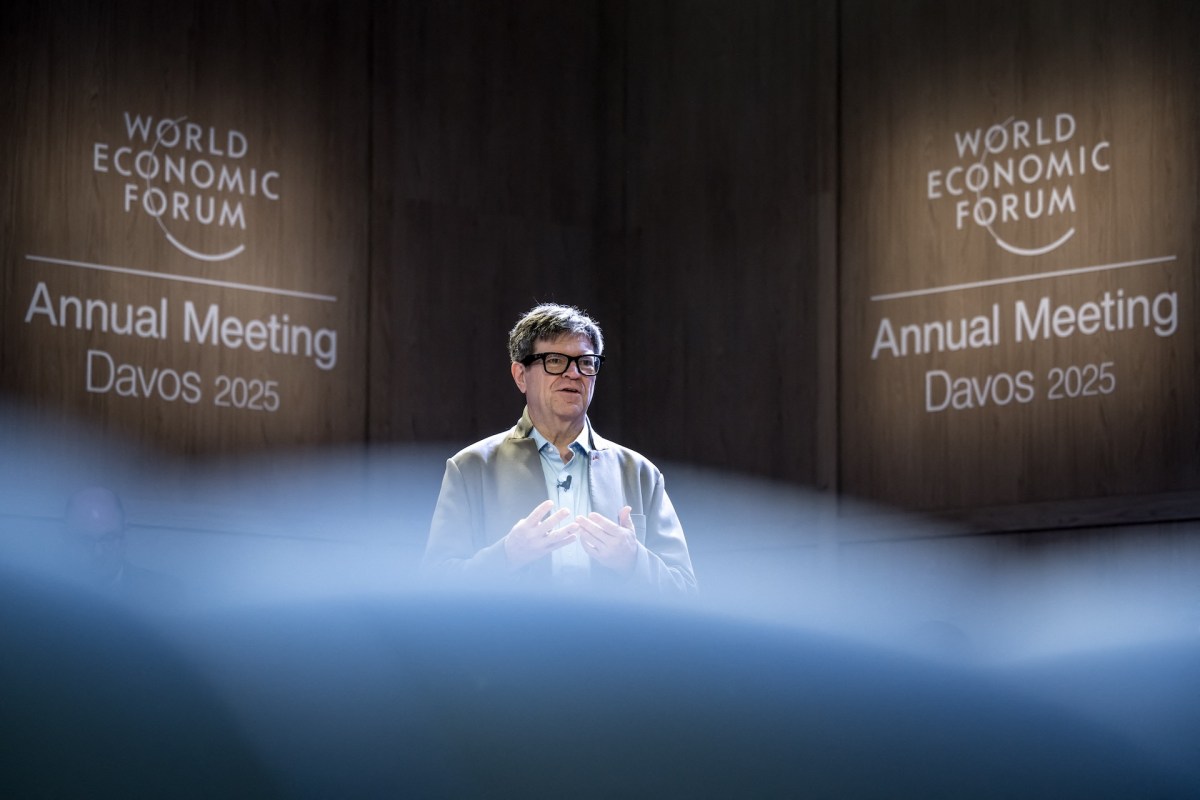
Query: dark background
point(675, 167)
point(663, 165)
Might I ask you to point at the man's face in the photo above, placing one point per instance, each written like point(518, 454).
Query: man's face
point(557, 399)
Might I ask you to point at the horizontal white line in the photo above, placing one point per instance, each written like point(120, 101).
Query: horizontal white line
point(1022, 278)
point(166, 276)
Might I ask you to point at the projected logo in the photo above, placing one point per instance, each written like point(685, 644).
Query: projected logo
point(194, 181)
point(1015, 172)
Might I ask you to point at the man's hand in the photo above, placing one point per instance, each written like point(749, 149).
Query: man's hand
point(611, 544)
point(534, 537)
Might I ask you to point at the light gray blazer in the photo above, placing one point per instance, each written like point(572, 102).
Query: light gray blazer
point(492, 484)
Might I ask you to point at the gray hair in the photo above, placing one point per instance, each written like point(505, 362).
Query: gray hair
point(550, 321)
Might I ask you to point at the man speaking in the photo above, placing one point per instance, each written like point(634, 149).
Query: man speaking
point(551, 502)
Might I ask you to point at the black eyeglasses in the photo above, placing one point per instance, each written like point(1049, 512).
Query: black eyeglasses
point(558, 363)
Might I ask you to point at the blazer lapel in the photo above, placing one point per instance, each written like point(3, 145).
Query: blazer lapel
point(523, 484)
point(604, 479)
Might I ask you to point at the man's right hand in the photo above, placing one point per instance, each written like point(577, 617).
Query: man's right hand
point(534, 537)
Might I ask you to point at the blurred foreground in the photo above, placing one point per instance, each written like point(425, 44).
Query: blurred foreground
point(286, 648)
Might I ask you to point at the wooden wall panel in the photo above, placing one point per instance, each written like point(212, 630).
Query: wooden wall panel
point(721, 296)
point(1113, 87)
point(642, 161)
point(656, 163)
point(278, 98)
point(671, 165)
point(484, 175)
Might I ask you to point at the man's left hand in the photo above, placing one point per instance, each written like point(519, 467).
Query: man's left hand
point(611, 544)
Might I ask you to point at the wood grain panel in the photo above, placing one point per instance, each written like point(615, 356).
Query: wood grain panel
point(276, 97)
point(484, 196)
point(723, 232)
point(1113, 86)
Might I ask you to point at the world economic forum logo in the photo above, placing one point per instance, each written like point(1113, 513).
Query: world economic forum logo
point(1019, 170)
point(187, 177)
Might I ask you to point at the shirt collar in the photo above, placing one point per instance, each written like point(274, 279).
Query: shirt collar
point(582, 443)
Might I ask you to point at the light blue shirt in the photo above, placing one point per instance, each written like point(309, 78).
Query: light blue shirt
point(567, 485)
